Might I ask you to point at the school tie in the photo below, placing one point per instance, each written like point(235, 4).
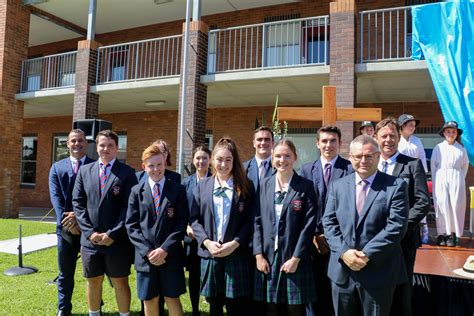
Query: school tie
point(263, 170)
point(327, 173)
point(77, 165)
point(384, 166)
point(156, 197)
point(220, 192)
point(361, 193)
point(103, 176)
point(280, 196)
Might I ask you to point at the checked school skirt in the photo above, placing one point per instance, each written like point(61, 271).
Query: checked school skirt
point(285, 288)
point(229, 276)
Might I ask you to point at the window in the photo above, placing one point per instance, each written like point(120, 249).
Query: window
point(315, 39)
point(33, 75)
point(122, 151)
point(60, 150)
point(208, 140)
point(117, 61)
point(211, 60)
point(306, 148)
point(282, 44)
point(28, 160)
point(67, 70)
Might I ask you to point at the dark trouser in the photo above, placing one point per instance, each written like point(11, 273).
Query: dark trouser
point(403, 293)
point(285, 310)
point(68, 252)
point(194, 269)
point(353, 299)
point(234, 306)
point(323, 305)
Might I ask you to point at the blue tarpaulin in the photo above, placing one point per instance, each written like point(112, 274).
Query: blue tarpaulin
point(443, 35)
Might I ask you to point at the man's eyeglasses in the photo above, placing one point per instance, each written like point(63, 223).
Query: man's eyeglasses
point(368, 157)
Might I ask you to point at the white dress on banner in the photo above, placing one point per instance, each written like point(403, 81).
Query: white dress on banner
point(449, 164)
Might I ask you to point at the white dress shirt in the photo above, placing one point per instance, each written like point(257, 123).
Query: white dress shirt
point(222, 206)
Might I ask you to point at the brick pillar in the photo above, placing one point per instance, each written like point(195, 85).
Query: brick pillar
point(196, 96)
point(14, 31)
point(86, 104)
point(342, 58)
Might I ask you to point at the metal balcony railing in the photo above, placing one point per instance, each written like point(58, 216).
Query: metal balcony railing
point(287, 43)
point(153, 58)
point(386, 34)
point(49, 72)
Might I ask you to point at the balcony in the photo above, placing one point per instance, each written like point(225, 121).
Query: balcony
point(134, 61)
point(49, 72)
point(291, 43)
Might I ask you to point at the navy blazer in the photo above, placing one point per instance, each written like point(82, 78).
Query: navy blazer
point(251, 167)
point(377, 231)
point(103, 213)
point(61, 185)
point(314, 171)
point(239, 227)
point(412, 172)
point(148, 231)
point(142, 176)
point(297, 220)
point(190, 184)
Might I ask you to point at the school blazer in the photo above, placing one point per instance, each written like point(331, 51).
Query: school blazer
point(148, 231)
point(61, 185)
point(251, 167)
point(190, 184)
point(315, 173)
point(239, 227)
point(411, 171)
point(297, 220)
point(106, 213)
point(142, 176)
point(377, 231)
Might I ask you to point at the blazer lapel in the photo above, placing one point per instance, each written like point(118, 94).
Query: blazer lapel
point(270, 190)
point(352, 200)
point(112, 175)
point(164, 201)
point(337, 170)
point(292, 189)
point(318, 177)
point(95, 180)
point(208, 193)
point(148, 199)
point(398, 167)
point(253, 172)
point(373, 192)
point(269, 170)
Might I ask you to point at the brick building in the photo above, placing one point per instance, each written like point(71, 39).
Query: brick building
point(241, 55)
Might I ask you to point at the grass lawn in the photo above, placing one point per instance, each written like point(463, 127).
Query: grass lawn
point(35, 295)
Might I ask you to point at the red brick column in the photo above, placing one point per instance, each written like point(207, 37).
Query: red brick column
point(86, 104)
point(14, 31)
point(342, 58)
point(196, 95)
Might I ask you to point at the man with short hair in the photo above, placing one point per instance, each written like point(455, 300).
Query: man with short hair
point(260, 166)
point(411, 170)
point(62, 176)
point(364, 221)
point(100, 201)
point(323, 171)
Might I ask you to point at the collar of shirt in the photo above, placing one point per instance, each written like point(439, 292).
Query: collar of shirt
point(369, 179)
point(74, 160)
point(229, 184)
point(161, 183)
point(111, 163)
point(390, 161)
point(279, 188)
point(259, 161)
point(324, 161)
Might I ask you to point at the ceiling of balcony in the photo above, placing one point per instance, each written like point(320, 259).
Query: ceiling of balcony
point(114, 15)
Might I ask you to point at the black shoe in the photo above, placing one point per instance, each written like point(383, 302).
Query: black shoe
point(450, 242)
point(441, 241)
point(63, 313)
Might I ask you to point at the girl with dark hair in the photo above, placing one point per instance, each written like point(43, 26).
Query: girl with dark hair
point(284, 229)
point(221, 218)
point(201, 161)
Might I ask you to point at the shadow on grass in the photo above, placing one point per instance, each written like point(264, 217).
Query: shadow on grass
point(134, 313)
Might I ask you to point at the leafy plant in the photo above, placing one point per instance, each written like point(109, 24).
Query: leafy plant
point(278, 131)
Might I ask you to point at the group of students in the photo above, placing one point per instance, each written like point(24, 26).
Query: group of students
point(255, 233)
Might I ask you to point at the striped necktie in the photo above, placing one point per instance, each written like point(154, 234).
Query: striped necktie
point(280, 196)
point(220, 192)
point(361, 193)
point(384, 166)
point(103, 176)
point(156, 197)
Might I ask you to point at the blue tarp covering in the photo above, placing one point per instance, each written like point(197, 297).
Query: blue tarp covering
point(443, 35)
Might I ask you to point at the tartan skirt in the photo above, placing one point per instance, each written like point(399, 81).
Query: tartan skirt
point(285, 288)
point(229, 276)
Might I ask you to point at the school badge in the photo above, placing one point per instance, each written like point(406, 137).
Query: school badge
point(241, 207)
point(170, 212)
point(297, 205)
point(116, 190)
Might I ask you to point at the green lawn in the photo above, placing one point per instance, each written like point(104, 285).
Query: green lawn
point(34, 295)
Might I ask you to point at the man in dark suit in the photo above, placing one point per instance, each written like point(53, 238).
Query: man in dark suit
point(100, 200)
point(364, 221)
point(62, 176)
point(323, 171)
point(411, 171)
point(260, 166)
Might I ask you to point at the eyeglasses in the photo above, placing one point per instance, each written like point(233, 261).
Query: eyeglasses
point(368, 157)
